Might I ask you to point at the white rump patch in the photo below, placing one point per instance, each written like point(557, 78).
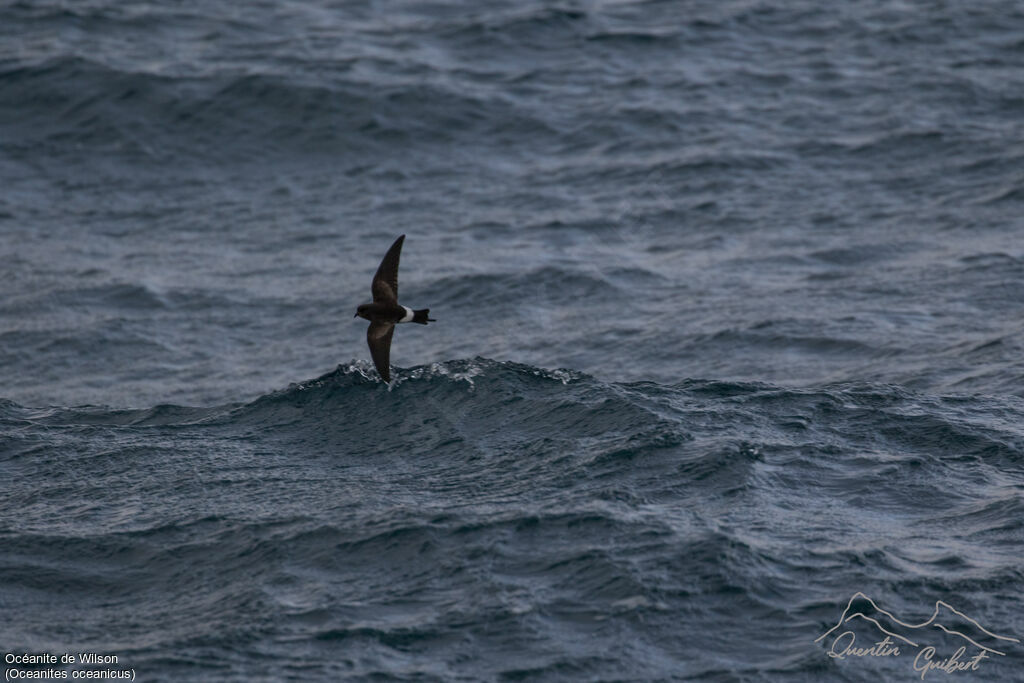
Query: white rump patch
point(408, 315)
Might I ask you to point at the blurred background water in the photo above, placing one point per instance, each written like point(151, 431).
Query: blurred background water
point(728, 300)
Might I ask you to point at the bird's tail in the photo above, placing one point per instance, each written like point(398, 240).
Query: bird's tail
point(420, 316)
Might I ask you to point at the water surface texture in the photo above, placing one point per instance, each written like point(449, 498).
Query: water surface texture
point(729, 301)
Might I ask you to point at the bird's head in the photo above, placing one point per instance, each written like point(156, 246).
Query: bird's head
point(363, 311)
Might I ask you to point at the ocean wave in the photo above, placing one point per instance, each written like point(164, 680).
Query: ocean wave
point(485, 401)
point(74, 101)
point(406, 517)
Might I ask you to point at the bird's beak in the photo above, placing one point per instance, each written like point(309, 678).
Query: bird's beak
point(356, 315)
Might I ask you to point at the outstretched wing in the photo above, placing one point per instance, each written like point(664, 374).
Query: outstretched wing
point(385, 282)
point(378, 336)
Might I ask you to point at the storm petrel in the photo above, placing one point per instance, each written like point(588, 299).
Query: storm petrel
point(385, 310)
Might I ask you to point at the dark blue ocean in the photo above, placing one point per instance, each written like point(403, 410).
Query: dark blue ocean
point(727, 373)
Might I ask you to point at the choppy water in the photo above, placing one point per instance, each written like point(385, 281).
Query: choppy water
point(729, 329)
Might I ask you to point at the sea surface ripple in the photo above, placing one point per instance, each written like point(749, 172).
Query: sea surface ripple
point(729, 329)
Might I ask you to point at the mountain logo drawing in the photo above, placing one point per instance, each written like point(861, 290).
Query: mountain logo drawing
point(946, 625)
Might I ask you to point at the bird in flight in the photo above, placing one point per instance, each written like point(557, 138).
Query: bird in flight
point(385, 311)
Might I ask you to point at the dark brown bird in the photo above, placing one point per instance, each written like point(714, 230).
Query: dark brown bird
point(385, 311)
